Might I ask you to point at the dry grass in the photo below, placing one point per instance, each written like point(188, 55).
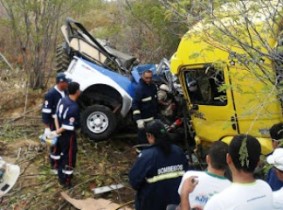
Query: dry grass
point(98, 164)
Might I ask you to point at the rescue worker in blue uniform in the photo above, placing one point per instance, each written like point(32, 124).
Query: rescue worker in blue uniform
point(145, 104)
point(51, 99)
point(158, 171)
point(68, 115)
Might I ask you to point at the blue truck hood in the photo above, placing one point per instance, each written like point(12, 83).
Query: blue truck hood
point(128, 83)
point(123, 81)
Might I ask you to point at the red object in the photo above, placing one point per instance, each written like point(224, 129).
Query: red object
point(178, 122)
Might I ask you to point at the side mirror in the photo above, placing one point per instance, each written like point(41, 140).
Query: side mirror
point(194, 107)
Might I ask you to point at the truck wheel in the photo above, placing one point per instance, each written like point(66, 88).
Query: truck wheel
point(98, 122)
point(62, 59)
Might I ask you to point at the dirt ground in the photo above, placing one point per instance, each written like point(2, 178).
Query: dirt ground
point(98, 164)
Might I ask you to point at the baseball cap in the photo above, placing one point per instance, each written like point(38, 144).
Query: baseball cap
point(155, 127)
point(276, 159)
point(61, 77)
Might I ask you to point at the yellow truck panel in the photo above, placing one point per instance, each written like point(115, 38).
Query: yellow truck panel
point(225, 96)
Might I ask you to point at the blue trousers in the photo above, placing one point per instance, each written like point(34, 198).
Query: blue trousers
point(67, 145)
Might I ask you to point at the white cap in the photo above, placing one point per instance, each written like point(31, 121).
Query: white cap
point(276, 159)
point(164, 87)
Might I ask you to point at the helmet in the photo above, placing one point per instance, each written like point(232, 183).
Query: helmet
point(164, 87)
point(161, 95)
point(9, 173)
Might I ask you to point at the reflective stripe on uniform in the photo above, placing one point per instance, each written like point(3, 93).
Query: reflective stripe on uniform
point(55, 157)
point(68, 127)
point(68, 172)
point(65, 113)
point(47, 111)
point(148, 119)
point(162, 177)
point(136, 112)
point(147, 99)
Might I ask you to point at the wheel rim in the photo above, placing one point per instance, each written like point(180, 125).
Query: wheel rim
point(97, 122)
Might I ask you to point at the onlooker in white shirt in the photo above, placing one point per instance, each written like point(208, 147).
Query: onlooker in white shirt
point(276, 159)
point(210, 182)
point(245, 192)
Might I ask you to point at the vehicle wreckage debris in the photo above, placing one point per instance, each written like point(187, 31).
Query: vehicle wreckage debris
point(104, 189)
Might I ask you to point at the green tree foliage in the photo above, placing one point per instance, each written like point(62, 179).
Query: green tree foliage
point(250, 32)
point(140, 28)
point(158, 36)
point(34, 26)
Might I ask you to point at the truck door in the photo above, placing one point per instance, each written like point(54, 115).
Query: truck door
point(211, 106)
point(256, 101)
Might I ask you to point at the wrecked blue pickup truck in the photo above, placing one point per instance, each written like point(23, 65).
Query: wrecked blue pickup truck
point(106, 76)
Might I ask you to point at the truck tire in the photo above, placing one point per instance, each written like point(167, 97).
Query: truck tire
point(62, 59)
point(98, 122)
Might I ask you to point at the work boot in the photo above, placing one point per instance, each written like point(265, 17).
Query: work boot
point(65, 185)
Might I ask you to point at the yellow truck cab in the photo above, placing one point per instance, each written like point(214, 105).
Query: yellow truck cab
point(227, 95)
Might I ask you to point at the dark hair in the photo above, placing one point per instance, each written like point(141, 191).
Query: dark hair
point(245, 152)
point(276, 131)
point(73, 87)
point(157, 129)
point(217, 153)
point(147, 71)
